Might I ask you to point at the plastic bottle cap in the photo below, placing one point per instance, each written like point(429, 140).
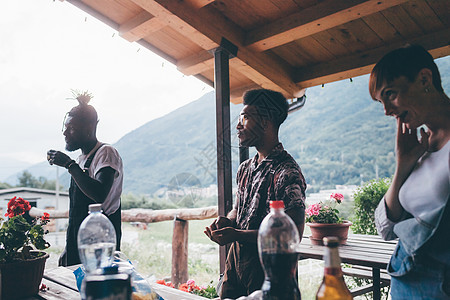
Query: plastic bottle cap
point(276, 204)
point(95, 207)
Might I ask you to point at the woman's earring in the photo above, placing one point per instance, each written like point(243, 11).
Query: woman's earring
point(427, 90)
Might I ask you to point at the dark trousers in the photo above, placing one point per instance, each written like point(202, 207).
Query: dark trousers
point(243, 272)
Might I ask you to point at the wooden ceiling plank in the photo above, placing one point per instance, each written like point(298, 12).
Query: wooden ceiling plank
point(216, 27)
point(345, 37)
point(235, 11)
point(170, 19)
point(330, 43)
point(423, 15)
point(174, 43)
point(140, 26)
point(197, 4)
point(437, 43)
point(119, 11)
point(364, 34)
point(441, 9)
point(296, 57)
point(323, 16)
point(402, 22)
point(302, 4)
point(378, 23)
point(196, 63)
point(316, 52)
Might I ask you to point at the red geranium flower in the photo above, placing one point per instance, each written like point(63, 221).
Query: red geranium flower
point(45, 217)
point(184, 287)
point(17, 207)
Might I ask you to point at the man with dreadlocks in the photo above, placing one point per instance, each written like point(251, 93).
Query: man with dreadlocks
point(272, 174)
point(96, 176)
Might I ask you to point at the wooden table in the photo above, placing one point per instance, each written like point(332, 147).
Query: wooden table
point(61, 285)
point(360, 250)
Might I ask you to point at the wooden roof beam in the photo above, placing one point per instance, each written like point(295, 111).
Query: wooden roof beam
point(168, 18)
point(362, 63)
point(213, 25)
point(197, 63)
point(140, 26)
point(255, 76)
point(321, 17)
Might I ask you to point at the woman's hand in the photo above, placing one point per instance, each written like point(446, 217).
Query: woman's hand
point(409, 148)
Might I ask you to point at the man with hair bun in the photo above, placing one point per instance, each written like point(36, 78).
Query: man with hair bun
point(96, 176)
point(272, 174)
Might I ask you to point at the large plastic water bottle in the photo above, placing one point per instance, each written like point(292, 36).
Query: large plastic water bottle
point(96, 240)
point(278, 240)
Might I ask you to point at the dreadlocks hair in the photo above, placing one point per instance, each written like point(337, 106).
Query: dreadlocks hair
point(83, 112)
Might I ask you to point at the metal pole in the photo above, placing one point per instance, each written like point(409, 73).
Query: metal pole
point(224, 181)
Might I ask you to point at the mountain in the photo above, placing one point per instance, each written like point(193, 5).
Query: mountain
point(340, 136)
point(10, 166)
point(182, 142)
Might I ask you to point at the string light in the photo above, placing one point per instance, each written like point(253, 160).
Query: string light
point(351, 79)
point(323, 85)
point(113, 34)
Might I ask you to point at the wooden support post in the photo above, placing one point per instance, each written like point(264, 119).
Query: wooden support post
point(180, 252)
point(222, 88)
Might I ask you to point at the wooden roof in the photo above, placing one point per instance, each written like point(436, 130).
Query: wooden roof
point(285, 45)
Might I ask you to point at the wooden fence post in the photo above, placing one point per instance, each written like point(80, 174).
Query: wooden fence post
point(180, 252)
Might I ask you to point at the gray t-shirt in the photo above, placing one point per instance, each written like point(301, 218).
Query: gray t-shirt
point(107, 156)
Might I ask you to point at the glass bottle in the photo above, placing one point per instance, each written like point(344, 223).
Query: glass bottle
point(333, 285)
point(278, 239)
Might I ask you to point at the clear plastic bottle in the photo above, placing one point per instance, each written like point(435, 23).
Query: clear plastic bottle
point(96, 240)
point(278, 239)
point(333, 285)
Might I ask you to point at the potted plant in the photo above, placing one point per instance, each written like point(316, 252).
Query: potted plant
point(21, 263)
point(323, 220)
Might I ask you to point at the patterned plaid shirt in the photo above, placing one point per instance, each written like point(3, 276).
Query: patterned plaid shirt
point(277, 177)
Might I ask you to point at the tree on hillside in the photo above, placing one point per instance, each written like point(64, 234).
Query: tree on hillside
point(28, 180)
point(4, 185)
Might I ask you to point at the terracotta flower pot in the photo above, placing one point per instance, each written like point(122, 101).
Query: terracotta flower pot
point(22, 278)
point(319, 231)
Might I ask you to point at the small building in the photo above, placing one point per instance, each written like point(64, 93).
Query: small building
point(43, 199)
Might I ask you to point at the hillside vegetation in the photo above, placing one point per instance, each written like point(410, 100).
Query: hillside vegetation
point(340, 136)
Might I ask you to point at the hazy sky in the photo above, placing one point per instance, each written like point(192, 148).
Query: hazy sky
point(50, 47)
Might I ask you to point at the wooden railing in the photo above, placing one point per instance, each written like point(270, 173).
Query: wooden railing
point(180, 219)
